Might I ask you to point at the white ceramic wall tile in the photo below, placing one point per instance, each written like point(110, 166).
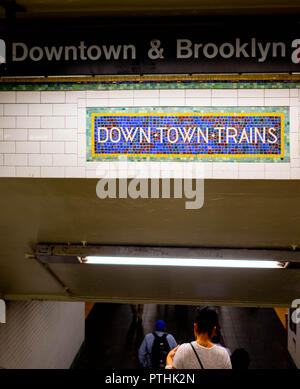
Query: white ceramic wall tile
point(7, 147)
point(200, 93)
point(251, 170)
point(40, 109)
point(53, 97)
point(97, 94)
point(81, 120)
point(277, 93)
point(294, 120)
point(277, 171)
point(28, 122)
point(7, 171)
point(32, 171)
point(15, 109)
point(294, 102)
point(40, 160)
point(7, 97)
point(227, 93)
point(207, 169)
point(14, 134)
point(198, 101)
point(294, 92)
point(52, 122)
point(277, 101)
point(120, 94)
point(71, 121)
point(295, 173)
point(64, 160)
point(253, 175)
point(89, 173)
point(172, 93)
point(145, 94)
point(28, 97)
point(223, 102)
point(73, 96)
point(46, 130)
point(8, 122)
point(65, 109)
point(52, 147)
point(94, 103)
point(257, 93)
point(172, 101)
point(54, 172)
point(74, 172)
point(15, 159)
point(36, 134)
point(65, 134)
point(81, 162)
point(81, 145)
point(82, 103)
point(225, 170)
point(295, 162)
point(28, 147)
point(145, 102)
point(294, 145)
point(71, 147)
point(251, 101)
point(128, 102)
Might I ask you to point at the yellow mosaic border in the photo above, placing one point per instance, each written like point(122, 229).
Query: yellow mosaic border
point(155, 77)
point(281, 155)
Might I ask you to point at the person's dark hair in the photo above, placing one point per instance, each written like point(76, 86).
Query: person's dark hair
point(206, 319)
point(240, 359)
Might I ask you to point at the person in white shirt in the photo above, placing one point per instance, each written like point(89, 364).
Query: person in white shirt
point(202, 353)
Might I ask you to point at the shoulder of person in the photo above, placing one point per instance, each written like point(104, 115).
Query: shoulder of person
point(221, 349)
point(149, 335)
point(169, 335)
point(183, 347)
point(180, 354)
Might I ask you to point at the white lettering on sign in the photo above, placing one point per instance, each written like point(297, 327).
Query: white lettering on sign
point(187, 49)
point(21, 52)
point(224, 135)
point(184, 49)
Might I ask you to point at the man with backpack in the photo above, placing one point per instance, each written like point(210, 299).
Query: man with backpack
point(155, 347)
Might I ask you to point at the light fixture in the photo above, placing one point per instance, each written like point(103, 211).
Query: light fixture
point(167, 256)
point(183, 262)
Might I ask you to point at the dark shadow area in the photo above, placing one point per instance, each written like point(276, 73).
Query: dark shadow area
point(114, 334)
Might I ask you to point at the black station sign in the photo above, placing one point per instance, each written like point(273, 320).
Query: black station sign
point(157, 50)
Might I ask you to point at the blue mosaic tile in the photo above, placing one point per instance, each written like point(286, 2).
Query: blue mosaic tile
point(256, 134)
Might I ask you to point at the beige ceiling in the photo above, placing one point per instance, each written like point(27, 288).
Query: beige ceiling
point(236, 213)
point(75, 8)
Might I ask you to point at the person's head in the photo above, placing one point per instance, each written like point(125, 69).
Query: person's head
point(206, 321)
point(160, 325)
point(240, 359)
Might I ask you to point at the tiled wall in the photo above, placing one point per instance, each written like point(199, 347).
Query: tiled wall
point(41, 334)
point(43, 133)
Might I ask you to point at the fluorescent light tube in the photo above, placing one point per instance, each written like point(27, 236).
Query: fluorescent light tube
point(184, 262)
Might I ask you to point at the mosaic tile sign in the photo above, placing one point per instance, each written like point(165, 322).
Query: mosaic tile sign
point(188, 134)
